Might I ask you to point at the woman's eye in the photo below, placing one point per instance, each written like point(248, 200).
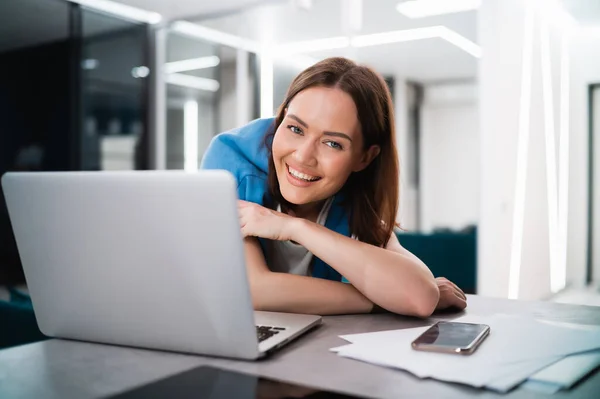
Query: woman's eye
point(334, 145)
point(295, 129)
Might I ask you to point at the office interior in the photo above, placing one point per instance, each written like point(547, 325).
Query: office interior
point(498, 129)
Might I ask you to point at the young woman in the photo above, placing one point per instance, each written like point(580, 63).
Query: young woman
point(318, 188)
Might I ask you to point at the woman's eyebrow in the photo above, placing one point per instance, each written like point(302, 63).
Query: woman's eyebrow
point(327, 133)
point(338, 134)
point(300, 121)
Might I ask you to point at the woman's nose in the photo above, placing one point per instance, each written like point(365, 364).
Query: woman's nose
point(305, 153)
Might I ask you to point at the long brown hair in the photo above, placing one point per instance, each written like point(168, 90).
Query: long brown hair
point(371, 194)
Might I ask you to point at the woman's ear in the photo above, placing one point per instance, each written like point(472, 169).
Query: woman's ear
point(367, 157)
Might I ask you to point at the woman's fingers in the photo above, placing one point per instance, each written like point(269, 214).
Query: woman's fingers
point(459, 301)
point(450, 295)
point(459, 292)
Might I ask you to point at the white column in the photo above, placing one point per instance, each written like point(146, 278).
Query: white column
point(266, 83)
point(242, 84)
point(407, 210)
point(158, 147)
point(517, 158)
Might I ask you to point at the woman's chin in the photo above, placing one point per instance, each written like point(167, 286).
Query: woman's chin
point(295, 198)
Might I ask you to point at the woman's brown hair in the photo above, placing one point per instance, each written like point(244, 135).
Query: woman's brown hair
point(371, 194)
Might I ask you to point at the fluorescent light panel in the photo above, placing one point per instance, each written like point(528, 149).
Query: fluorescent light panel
point(121, 10)
point(193, 82)
point(427, 8)
point(460, 41)
point(211, 35)
point(398, 36)
point(377, 39)
point(192, 64)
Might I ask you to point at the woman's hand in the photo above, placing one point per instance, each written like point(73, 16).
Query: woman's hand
point(450, 295)
point(258, 221)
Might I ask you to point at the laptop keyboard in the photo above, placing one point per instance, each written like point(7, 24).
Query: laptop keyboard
point(265, 332)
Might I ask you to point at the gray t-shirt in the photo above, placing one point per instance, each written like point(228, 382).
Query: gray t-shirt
point(289, 257)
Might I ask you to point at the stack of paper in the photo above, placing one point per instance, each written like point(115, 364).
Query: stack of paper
point(516, 349)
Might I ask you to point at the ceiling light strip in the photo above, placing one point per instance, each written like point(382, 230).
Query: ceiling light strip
point(214, 36)
point(192, 64)
point(121, 10)
point(192, 82)
point(460, 41)
point(398, 36)
point(377, 39)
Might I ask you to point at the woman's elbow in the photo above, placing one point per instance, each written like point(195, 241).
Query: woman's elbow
point(420, 304)
point(426, 302)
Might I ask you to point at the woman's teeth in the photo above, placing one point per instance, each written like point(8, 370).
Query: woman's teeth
point(302, 176)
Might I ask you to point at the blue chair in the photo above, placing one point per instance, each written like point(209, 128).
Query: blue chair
point(448, 254)
point(19, 325)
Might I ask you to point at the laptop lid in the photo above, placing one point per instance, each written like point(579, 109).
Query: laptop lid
point(142, 258)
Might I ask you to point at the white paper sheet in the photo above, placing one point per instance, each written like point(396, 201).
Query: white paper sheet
point(516, 348)
point(564, 373)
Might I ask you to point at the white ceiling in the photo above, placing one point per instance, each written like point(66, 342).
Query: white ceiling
point(424, 60)
point(282, 22)
point(182, 9)
point(279, 21)
point(586, 12)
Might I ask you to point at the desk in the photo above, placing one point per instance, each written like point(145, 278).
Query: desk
point(68, 369)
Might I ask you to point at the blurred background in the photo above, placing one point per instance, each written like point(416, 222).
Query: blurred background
point(497, 108)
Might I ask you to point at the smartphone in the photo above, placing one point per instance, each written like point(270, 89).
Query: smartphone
point(451, 337)
point(214, 383)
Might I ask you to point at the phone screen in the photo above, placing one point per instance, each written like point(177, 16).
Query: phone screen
point(452, 335)
point(214, 383)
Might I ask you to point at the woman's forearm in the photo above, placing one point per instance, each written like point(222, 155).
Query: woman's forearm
point(282, 292)
point(399, 283)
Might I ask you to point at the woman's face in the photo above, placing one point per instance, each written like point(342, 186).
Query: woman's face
point(318, 145)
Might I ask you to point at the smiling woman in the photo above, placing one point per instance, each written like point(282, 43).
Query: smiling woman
point(318, 189)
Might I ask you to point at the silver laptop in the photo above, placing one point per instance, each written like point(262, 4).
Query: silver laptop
point(151, 259)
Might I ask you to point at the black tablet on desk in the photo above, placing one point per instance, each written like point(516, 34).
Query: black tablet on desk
point(213, 383)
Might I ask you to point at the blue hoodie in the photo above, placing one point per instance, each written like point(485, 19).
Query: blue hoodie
point(243, 153)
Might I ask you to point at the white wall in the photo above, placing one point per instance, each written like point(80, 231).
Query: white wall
point(408, 207)
point(501, 88)
point(175, 128)
point(449, 162)
point(595, 220)
point(227, 97)
point(585, 69)
point(230, 116)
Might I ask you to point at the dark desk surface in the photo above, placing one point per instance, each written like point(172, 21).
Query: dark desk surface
point(68, 369)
